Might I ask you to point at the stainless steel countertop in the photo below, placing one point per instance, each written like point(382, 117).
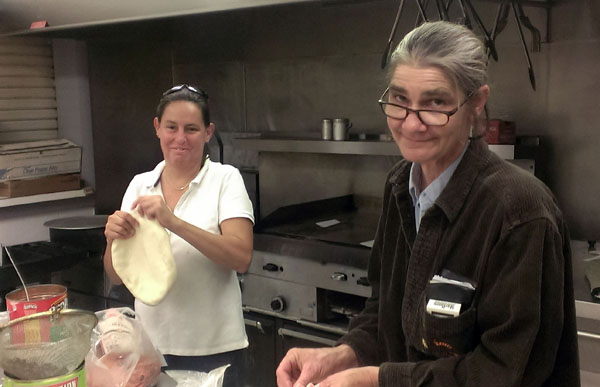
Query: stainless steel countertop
point(586, 305)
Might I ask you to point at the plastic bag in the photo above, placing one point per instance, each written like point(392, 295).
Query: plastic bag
point(121, 354)
point(213, 378)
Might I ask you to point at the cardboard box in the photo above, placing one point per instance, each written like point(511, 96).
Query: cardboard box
point(40, 185)
point(39, 158)
point(501, 132)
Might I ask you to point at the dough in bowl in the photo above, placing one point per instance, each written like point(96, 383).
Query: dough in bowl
point(145, 262)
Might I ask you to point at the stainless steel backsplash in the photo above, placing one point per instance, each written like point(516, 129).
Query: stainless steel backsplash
point(284, 68)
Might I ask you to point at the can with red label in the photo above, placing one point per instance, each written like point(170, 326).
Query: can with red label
point(41, 298)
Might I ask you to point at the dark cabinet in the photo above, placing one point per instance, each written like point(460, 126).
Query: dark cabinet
point(270, 338)
point(588, 330)
point(261, 351)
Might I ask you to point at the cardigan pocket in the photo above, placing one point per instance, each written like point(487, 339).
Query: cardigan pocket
point(446, 336)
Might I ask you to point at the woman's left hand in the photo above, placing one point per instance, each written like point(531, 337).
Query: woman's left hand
point(154, 207)
point(352, 377)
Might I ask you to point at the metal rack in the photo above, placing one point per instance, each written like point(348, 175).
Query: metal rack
point(545, 4)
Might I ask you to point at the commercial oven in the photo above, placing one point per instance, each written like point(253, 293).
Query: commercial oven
point(307, 279)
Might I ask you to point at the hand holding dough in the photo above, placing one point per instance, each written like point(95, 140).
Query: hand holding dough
point(145, 262)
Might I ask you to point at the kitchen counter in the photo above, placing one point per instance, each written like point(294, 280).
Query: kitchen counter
point(588, 316)
point(583, 297)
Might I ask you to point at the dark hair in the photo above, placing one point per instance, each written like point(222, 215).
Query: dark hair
point(185, 93)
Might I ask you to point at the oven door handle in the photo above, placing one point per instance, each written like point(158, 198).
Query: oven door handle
point(305, 336)
point(588, 335)
point(323, 327)
point(257, 324)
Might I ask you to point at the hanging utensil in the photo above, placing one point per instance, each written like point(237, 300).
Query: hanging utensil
point(18, 273)
point(529, 65)
point(422, 16)
point(536, 39)
point(489, 43)
point(388, 47)
point(499, 23)
point(444, 5)
point(439, 5)
point(464, 20)
point(494, 29)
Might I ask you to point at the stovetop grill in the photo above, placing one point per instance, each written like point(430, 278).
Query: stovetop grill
point(310, 260)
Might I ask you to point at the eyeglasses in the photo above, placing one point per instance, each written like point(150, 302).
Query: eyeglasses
point(177, 88)
point(426, 116)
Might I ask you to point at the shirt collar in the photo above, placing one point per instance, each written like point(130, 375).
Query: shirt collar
point(476, 158)
point(414, 181)
point(436, 187)
point(153, 177)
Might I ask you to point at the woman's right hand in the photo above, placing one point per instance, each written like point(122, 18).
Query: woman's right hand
point(120, 225)
point(302, 366)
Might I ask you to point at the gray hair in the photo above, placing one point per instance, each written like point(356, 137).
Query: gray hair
point(452, 48)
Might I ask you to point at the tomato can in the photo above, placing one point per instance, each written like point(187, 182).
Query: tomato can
point(41, 298)
point(74, 379)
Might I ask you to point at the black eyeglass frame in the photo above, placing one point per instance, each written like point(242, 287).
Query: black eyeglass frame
point(448, 114)
point(193, 89)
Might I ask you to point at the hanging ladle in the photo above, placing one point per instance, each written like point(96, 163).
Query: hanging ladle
point(529, 65)
point(18, 273)
point(388, 48)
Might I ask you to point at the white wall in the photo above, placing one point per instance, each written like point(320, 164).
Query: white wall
point(25, 223)
point(73, 100)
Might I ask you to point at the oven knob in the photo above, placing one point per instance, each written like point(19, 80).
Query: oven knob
point(339, 276)
point(270, 267)
point(277, 304)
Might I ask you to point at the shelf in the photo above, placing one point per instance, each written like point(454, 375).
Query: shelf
point(9, 202)
point(375, 148)
point(62, 16)
point(383, 148)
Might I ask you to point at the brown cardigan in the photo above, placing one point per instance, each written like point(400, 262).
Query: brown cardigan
point(499, 226)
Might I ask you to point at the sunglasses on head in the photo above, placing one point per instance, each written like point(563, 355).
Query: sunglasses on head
point(177, 88)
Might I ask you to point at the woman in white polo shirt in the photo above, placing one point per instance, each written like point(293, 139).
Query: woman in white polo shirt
point(206, 210)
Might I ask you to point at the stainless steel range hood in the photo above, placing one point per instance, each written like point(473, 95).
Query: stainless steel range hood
point(16, 16)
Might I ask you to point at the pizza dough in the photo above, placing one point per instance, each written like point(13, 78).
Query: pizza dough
point(145, 262)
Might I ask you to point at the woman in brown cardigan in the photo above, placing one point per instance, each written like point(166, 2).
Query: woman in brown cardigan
point(453, 210)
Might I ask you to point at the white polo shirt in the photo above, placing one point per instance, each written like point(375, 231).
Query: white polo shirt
point(202, 314)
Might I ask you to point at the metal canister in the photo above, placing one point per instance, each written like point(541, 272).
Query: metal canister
point(326, 129)
point(340, 128)
point(41, 299)
point(74, 379)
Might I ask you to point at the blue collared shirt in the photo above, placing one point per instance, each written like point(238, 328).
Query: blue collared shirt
point(424, 200)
